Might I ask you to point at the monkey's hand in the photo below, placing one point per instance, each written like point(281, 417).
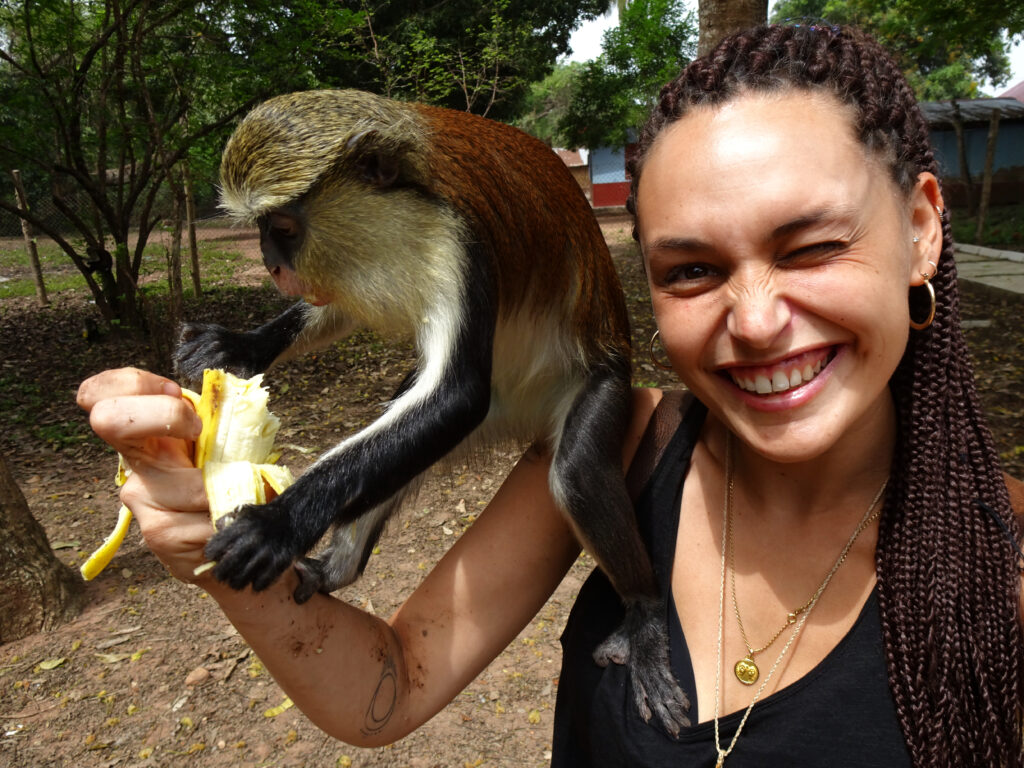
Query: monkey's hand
point(641, 643)
point(203, 345)
point(256, 544)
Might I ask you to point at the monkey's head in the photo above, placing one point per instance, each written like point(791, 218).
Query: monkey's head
point(338, 183)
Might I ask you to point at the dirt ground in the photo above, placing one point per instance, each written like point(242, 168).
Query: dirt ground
point(151, 674)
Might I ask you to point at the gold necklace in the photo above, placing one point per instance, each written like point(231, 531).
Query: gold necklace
point(804, 613)
point(746, 669)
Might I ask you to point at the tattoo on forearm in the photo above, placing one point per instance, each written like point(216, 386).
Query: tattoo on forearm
point(382, 703)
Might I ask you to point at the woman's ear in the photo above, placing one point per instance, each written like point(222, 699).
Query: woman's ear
point(926, 209)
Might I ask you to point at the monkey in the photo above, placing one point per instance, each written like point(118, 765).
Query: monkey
point(473, 238)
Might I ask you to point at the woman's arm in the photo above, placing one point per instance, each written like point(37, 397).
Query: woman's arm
point(361, 679)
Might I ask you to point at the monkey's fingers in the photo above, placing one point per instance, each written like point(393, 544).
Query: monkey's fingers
point(253, 550)
point(641, 644)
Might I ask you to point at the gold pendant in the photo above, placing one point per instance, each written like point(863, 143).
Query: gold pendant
point(746, 671)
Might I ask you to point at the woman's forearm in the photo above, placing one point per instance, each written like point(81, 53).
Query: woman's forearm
point(344, 668)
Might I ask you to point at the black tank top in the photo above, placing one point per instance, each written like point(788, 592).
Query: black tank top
point(839, 714)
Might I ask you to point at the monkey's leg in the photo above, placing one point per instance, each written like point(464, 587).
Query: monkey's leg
point(344, 559)
point(299, 328)
point(587, 480)
point(446, 400)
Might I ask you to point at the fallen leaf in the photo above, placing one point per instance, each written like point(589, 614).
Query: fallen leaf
point(51, 663)
point(112, 658)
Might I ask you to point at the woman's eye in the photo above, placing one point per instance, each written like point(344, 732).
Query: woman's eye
point(815, 250)
point(688, 272)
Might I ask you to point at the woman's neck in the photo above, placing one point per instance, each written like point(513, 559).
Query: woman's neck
point(852, 468)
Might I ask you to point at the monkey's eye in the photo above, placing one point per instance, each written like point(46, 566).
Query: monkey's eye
point(283, 224)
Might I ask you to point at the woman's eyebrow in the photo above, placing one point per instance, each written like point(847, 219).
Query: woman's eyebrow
point(827, 215)
point(679, 244)
point(822, 215)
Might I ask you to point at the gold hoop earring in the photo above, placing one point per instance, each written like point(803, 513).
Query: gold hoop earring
point(654, 358)
point(931, 312)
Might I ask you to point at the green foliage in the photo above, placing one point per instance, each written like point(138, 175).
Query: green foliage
point(547, 103)
point(946, 48)
point(101, 102)
point(464, 54)
point(613, 94)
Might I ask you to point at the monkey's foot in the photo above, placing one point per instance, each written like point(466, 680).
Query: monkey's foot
point(311, 579)
point(641, 644)
point(254, 545)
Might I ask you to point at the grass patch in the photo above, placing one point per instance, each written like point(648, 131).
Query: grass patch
point(217, 265)
point(55, 283)
point(1004, 227)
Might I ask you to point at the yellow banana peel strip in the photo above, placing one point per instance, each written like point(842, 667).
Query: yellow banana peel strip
point(234, 450)
point(99, 559)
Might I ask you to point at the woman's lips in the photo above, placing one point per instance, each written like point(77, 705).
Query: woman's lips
point(781, 376)
point(813, 369)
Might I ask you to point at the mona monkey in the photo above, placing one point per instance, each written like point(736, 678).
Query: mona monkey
point(473, 238)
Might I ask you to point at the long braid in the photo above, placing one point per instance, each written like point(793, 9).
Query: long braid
point(948, 580)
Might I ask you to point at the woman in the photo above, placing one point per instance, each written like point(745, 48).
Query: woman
point(823, 519)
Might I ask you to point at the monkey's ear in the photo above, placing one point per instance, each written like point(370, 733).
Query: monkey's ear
point(377, 168)
point(376, 164)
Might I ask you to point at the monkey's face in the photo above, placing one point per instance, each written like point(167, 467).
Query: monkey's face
point(281, 237)
point(337, 182)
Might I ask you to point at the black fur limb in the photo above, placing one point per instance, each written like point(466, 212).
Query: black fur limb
point(263, 541)
point(204, 345)
point(587, 472)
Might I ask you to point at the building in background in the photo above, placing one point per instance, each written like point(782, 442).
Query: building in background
point(975, 118)
point(576, 161)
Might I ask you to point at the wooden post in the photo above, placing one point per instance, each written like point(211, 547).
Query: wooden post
point(986, 181)
point(961, 152)
point(30, 242)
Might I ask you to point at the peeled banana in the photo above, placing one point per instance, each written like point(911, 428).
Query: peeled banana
point(234, 450)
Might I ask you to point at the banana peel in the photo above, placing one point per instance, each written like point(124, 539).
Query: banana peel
point(234, 450)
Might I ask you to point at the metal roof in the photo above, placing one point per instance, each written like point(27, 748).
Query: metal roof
point(972, 111)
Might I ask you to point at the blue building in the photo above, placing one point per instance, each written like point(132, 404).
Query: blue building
point(975, 116)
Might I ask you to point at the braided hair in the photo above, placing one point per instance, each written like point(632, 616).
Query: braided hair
point(948, 579)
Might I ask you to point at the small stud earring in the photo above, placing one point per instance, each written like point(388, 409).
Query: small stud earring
point(916, 239)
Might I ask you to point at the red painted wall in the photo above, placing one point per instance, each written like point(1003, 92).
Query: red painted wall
point(610, 194)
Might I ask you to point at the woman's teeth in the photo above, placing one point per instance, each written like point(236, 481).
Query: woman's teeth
point(767, 381)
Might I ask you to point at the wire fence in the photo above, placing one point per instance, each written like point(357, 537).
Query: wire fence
point(78, 202)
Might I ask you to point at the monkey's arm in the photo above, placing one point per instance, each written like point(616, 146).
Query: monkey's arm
point(359, 678)
point(473, 603)
point(300, 328)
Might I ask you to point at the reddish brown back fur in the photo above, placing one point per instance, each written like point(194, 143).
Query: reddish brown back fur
point(548, 219)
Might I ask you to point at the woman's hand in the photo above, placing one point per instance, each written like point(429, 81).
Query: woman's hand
point(144, 418)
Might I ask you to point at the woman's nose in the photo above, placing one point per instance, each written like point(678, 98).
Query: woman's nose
point(758, 314)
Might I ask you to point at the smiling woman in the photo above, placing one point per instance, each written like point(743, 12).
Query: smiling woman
point(786, 203)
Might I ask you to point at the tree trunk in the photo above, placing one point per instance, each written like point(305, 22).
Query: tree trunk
point(961, 153)
point(37, 591)
point(30, 242)
point(190, 219)
point(718, 18)
point(174, 253)
point(986, 179)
